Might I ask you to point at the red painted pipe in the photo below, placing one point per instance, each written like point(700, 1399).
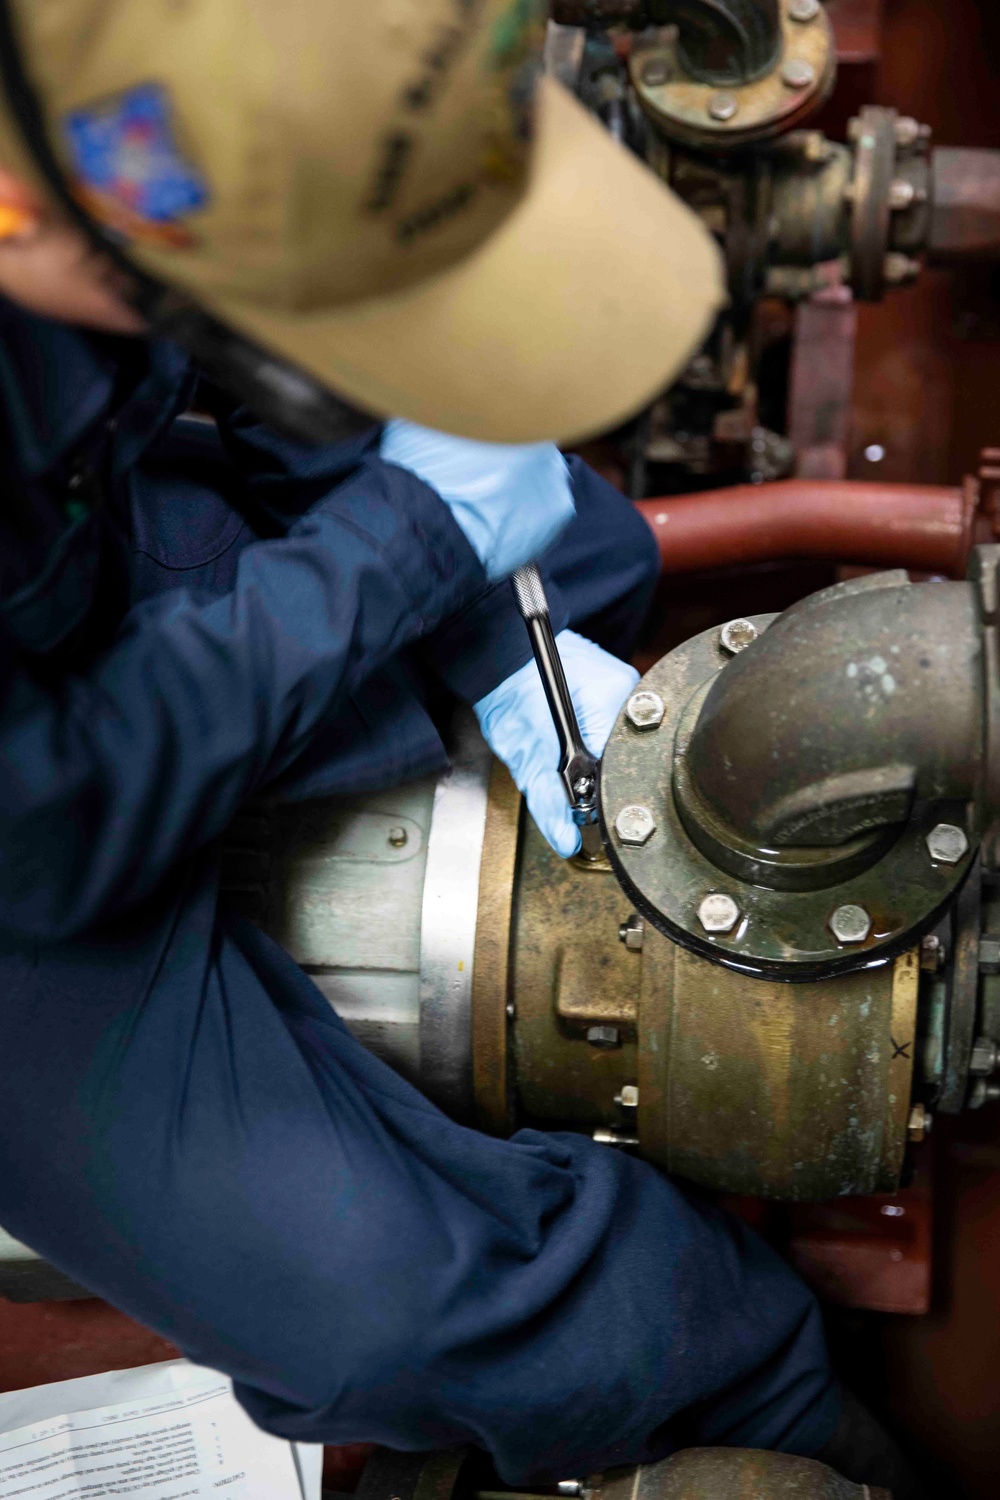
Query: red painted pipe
point(925, 527)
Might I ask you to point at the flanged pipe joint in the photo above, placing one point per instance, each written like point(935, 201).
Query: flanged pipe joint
point(831, 775)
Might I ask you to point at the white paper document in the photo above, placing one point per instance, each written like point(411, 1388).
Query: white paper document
point(165, 1432)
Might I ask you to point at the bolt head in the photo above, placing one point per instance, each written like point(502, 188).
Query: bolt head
point(901, 194)
point(909, 131)
point(985, 1057)
point(398, 837)
point(931, 953)
point(655, 72)
point(632, 933)
point(645, 710)
point(603, 1036)
point(723, 106)
point(947, 844)
point(718, 913)
point(850, 923)
point(629, 1096)
point(635, 825)
point(899, 269)
point(803, 10)
point(737, 635)
point(797, 73)
point(919, 1123)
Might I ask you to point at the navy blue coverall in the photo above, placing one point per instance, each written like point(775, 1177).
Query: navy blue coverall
point(192, 612)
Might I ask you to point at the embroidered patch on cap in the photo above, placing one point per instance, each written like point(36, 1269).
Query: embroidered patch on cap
point(129, 168)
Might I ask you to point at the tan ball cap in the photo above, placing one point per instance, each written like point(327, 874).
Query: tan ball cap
point(376, 191)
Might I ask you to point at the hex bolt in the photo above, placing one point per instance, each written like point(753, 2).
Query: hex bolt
point(723, 107)
point(604, 1037)
point(983, 1093)
point(797, 73)
point(604, 1137)
point(985, 1056)
point(947, 844)
point(737, 635)
point(629, 1096)
point(632, 933)
point(919, 1124)
point(645, 710)
point(901, 195)
point(718, 913)
point(931, 953)
point(899, 269)
point(635, 825)
point(655, 72)
point(803, 10)
point(398, 837)
point(850, 923)
point(909, 132)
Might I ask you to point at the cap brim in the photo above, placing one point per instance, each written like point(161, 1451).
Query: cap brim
point(573, 315)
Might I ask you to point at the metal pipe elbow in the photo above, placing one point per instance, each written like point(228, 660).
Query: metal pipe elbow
point(853, 706)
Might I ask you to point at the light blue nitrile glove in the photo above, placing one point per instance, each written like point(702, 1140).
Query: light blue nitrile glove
point(511, 500)
point(517, 726)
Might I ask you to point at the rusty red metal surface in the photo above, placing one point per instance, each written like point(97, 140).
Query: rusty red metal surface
point(965, 221)
point(821, 385)
point(925, 527)
point(857, 29)
point(44, 1341)
point(871, 1253)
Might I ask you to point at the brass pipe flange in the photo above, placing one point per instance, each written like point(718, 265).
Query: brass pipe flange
point(709, 117)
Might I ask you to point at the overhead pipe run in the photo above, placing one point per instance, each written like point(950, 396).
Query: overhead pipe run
point(928, 528)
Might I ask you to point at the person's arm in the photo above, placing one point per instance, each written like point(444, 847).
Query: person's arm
point(110, 777)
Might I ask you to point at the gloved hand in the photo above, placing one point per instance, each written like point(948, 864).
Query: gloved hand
point(517, 726)
point(511, 500)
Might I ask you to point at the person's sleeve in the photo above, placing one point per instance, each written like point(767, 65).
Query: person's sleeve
point(476, 650)
point(110, 777)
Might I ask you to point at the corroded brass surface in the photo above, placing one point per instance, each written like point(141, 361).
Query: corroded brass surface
point(787, 1091)
point(746, 1085)
point(730, 1474)
point(491, 962)
point(570, 972)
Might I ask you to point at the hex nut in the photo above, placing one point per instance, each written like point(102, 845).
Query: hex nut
point(989, 955)
point(737, 635)
point(629, 1096)
point(985, 1057)
point(947, 844)
point(718, 913)
point(603, 1036)
point(635, 825)
point(803, 10)
point(919, 1123)
point(797, 73)
point(850, 923)
point(645, 710)
point(723, 107)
